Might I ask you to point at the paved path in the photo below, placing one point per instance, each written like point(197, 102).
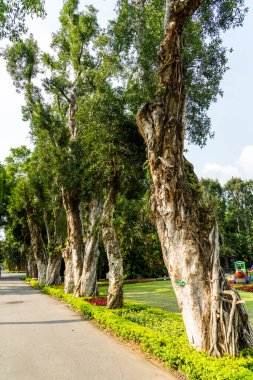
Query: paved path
point(42, 339)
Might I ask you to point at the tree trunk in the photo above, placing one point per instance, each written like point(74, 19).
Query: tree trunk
point(47, 227)
point(38, 249)
point(88, 282)
point(53, 269)
point(74, 252)
point(31, 270)
point(115, 261)
point(214, 316)
point(42, 271)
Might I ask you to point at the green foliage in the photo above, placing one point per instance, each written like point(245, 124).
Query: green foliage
point(22, 62)
point(32, 197)
point(161, 334)
point(12, 254)
point(15, 227)
point(136, 36)
point(239, 218)
point(233, 206)
point(137, 236)
point(13, 14)
point(3, 195)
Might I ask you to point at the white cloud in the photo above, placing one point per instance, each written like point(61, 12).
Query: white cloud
point(221, 172)
point(243, 167)
point(245, 161)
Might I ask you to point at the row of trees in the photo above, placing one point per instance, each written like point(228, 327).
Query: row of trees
point(94, 88)
point(136, 232)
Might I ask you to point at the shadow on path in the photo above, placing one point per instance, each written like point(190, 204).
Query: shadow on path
point(43, 322)
point(12, 289)
point(11, 284)
point(12, 276)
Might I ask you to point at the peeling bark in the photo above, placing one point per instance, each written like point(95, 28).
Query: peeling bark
point(74, 251)
point(31, 270)
point(47, 227)
point(214, 316)
point(38, 249)
point(53, 269)
point(88, 282)
point(115, 261)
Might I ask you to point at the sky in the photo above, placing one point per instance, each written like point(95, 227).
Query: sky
point(229, 154)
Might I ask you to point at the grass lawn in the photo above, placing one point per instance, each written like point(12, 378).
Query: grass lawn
point(160, 294)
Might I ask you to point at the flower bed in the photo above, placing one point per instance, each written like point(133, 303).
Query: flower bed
point(97, 301)
point(245, 288)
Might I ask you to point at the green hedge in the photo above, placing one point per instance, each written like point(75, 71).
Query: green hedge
point(161, 334)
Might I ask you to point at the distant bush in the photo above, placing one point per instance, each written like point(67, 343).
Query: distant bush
point(162, 334)
point(246, 288)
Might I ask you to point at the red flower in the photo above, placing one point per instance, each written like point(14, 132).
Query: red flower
point(97, 301)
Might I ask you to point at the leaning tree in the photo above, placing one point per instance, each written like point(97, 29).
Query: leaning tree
point(66, 81)
point(190, 64)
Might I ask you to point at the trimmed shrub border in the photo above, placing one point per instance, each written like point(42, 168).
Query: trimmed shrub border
point(160, 334)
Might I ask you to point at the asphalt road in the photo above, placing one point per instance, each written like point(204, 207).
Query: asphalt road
point(42, 339)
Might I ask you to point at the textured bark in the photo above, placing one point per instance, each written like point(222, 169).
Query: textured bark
point(31, 270)
point(88, 282)
point(214, 316)
point(115, 261)
point(53, 269)
point(47, 227)
point(74, 252)
point(38, 249)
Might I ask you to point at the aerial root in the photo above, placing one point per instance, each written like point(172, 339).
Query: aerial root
point(227, 316)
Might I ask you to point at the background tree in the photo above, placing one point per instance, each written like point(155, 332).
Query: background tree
point(137, 235)
point(17, 238)
point(52, 215)
point(34, 226)
point(233, 205)
point(238, 219)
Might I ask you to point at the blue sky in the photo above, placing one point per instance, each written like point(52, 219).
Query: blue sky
point(229, 154)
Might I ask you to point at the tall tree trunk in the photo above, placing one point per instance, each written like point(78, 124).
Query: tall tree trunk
point(31, 270)
point(74, 252)
point(88, 282)
point(115, 261)
point(38, 249)
point(214, 316)
point(47, 227)
point(53, 269)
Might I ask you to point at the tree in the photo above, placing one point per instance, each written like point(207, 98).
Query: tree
point(56, 120)
point(116, 156)
point(33, 225)
point(17, 236)
point(233, 205)
point(75, 84)
point(52, 221)
point(214, 316)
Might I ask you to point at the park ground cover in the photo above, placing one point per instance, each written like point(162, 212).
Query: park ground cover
point(160, 294)
point(159, 332)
